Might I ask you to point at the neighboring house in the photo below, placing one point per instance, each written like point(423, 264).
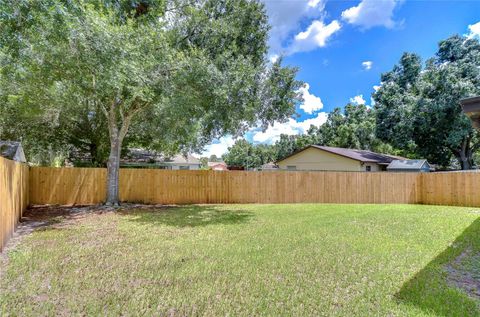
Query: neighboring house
point(409, 166)
point(181, 162)
point(217, 166)
point(269, 167)
point(138, 158)
point(325, 158)
point(12, 150)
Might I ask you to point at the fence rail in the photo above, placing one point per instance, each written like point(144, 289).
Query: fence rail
point(13, 196)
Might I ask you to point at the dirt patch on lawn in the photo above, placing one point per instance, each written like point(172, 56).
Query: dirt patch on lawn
point(44, 218)
point(464, 273)
point(59, 217)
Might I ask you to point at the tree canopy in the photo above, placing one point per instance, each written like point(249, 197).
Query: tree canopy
point(172, 75)
point(418, 107)
point(247, 155)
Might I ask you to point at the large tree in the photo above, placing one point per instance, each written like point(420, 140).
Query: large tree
point(354, 127)
point(176, 73)
point(52, 138)
point(418, 107)
point(247, 155)
point(288, 144)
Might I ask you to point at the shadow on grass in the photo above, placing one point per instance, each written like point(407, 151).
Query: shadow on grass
point(429, 289)
point(189, 216)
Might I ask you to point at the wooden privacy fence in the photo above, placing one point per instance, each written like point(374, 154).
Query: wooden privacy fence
point(67, 186)
point(87, 186)
point(13, 196)
point(451, 188)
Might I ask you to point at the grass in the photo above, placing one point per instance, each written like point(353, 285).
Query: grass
point(244, 260)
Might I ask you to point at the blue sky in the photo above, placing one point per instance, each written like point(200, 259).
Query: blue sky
point(342, 47)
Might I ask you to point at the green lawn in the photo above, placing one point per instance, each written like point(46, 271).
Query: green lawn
point(244, 260)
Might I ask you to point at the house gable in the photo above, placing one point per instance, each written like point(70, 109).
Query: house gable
point(409, 165)
point(12, 150)
point(313, 158)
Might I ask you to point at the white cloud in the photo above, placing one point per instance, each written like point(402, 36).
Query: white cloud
point(370, 13)
point(218, 147)
point(285, 17)
point(358, 100)
point(474, 30)
point(367, 65)
point(315, 36)
point(375, 88)
point(291, 127)
point(320, 119)
point(311, 103)
point(273, 58)
point(313, 3)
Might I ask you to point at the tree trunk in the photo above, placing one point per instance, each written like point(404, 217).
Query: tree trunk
point(465, 160)
point(465, 155)
point(113, 172)
point(117, 135)
point(93, 154)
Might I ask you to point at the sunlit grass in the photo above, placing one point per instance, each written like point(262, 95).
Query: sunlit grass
point(304, 259)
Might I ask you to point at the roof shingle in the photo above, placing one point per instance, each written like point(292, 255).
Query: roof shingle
point(360, 155)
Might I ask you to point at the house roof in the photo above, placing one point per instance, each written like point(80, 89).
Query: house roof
point(470, 101)
point(211, 164)
point(354, 154)
point(8, 149)
point(407, 164)
point(270, 165)
point(471, 107)
point(181, 159)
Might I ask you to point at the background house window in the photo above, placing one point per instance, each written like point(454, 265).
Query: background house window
point(184, 167)
point(368, 168)
point(291, 167)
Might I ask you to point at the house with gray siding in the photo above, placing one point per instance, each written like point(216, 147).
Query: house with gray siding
point(12, 150)
point(409, 166)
